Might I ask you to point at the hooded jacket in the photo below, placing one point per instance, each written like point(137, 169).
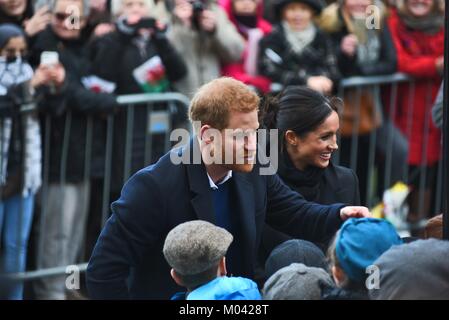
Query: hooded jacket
point(224, 288)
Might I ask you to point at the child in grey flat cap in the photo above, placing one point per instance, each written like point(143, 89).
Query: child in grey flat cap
point(196, 252)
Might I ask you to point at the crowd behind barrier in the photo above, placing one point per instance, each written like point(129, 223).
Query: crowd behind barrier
point(76, 126)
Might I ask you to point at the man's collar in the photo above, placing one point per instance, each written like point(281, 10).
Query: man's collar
point(226, 178)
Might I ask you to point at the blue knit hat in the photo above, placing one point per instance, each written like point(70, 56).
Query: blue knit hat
point(8, 31)
point(360, 242)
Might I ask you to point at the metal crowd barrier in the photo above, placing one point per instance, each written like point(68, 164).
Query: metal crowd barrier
point(394, 165)
point(159, 108)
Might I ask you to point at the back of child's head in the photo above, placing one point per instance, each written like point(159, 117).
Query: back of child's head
point(294, 251)
point(297, 282)
point(194, 249)
point(357, 245)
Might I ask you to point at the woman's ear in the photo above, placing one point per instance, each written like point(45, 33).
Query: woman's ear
point(291, 138)
point(338, 275)
point(175, 277)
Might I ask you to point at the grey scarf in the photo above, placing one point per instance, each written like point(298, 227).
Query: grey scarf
point(430, 24)
point(12, 74)
point(298, 40)
point(368, 49)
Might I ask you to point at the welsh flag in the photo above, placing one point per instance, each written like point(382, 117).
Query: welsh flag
point(151, 76)
point(98, 85)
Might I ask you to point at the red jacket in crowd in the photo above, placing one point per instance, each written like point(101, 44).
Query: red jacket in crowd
point(237, 70)
point(416, 55)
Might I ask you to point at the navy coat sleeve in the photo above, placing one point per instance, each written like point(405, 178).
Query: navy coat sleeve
point(135, 225)
point(289, 212)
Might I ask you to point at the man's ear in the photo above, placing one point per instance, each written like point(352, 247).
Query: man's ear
point(222, 268)
point(175, 277)
point(338, 275)
point(204, 137)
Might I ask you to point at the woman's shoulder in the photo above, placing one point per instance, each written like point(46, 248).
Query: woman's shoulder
point(342, 174)
point(344, 184)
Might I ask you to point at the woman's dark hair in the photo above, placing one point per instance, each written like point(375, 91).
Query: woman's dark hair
point(27, 14)
point(299, 109)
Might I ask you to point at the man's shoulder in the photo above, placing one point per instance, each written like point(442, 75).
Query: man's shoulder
point(168, 165)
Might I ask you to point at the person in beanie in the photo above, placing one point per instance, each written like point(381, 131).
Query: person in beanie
point(414, 271)
point(297, 282)
point(356, 246)
point(20, 145)
point(246, 15)
point(297, 52)
point(295, 251)
point(196, 252)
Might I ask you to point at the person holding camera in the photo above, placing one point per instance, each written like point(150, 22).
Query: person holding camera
point(137, 57)
point(137, 39)
point(203, 32)
point(22, 93)
point(67, 197)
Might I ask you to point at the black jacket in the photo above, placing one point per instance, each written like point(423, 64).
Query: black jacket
point(115, 56)
point(317, 59)
point(344, 294)
point(127, 260)
point(348, 65)
point(337, 185)
point(69, 118)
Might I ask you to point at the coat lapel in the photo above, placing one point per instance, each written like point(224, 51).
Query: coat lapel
point(199, 186)
point(245, 212)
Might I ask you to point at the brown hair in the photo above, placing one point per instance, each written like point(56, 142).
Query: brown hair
point(215, 100)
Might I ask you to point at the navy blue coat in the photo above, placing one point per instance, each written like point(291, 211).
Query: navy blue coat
point(128, 262)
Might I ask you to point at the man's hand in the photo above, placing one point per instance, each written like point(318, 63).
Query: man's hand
point(349, 45)
point(103, 28)
point(354, 212)
point(38, 22)
point(40, 77)
point(439, 64)
point(57, 75)
point(320, 83)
